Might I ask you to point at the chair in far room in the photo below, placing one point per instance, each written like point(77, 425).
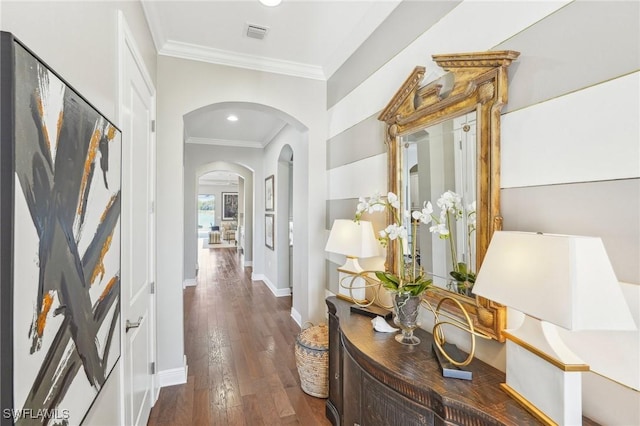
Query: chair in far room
point(214, 235)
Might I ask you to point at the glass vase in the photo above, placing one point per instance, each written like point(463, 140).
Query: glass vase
point(406, 308)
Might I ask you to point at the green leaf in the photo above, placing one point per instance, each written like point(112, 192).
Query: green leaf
point(388, 280)
point(458, 276)
point(419, 286)
point(463, 275)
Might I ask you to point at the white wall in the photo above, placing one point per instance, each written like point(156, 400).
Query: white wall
point(276, 265)
point(284, 208)
point(184, 86)
point(79, 41)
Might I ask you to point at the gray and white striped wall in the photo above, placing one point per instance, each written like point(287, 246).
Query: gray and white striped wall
point(570, 142)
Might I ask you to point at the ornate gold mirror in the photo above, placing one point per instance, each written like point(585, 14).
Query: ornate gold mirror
point(444, 144)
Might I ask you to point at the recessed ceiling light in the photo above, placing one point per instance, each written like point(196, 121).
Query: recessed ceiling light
point(270, 3)
point(232, 117)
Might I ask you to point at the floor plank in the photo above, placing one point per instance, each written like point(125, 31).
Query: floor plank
point(239, 342)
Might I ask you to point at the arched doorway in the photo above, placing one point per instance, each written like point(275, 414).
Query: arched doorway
point(254, 160)
point(243, 188)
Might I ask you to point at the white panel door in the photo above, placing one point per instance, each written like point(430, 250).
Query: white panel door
point(138, 239)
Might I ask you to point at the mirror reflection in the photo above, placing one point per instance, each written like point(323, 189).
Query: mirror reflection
point(439, 174)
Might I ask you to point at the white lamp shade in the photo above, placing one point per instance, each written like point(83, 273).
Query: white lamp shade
point(563, 279)
point(353, 239)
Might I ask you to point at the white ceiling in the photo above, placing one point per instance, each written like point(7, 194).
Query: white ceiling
point(219, 178)
point(255, 127)
point(305, 38)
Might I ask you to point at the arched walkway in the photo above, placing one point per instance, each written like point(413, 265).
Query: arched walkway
point(254, 164)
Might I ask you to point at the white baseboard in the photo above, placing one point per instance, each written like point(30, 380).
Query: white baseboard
point(296, 317)
point(278, 292)
point(248, 263)
point(173, 376)
point(189, 282)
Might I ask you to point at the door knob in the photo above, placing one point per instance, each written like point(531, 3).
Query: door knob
point(129, 325)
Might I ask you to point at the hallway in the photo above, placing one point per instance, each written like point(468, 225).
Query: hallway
point(239, 343)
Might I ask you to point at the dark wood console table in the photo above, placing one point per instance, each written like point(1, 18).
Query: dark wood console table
point(375, 381)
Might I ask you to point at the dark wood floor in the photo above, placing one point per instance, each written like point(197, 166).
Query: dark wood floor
point(239, 342)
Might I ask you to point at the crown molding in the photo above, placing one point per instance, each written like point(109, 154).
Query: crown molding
point(153, 21)
point(224, 142)
point(224, 57)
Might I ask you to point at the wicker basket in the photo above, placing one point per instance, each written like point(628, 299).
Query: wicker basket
point(312, 360)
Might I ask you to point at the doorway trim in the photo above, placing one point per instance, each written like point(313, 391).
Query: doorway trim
point(126, 43)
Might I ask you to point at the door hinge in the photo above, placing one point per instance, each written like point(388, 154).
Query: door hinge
point(152, 287)
point(153, 368)
point(153, 126)
point(152, 207)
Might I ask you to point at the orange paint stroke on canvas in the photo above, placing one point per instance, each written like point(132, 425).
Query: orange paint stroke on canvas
point(91, 155)
point(99, 269)
point(111, 133)
point(47, 301)
point(59, 124)
point(108, 208)
point(45, 131)
point(107, 289)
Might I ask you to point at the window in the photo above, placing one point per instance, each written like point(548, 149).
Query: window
point(206, 211)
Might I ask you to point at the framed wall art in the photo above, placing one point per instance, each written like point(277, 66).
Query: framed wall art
point(269, 193)
point(229, 206)
point(60, 244)
point(268, 230)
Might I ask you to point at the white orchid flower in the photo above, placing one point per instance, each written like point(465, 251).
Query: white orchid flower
point(440, 229)
point(424, 216)
point(370, 205)
point(393, 200)
point(472, 207)
point(451, 202)
point(363, 205)
point(443, 215)
point(377, 208)
point(376, 198)
point(471, 214)
point(395, 231)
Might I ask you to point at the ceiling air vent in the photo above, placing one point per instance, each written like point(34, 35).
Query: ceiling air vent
point(256, 31)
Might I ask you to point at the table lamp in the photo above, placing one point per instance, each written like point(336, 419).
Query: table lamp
point(555, 280)
point(354, 240)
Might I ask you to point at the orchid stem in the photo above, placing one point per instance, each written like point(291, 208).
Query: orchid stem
point(454, 256)
point(413, 246)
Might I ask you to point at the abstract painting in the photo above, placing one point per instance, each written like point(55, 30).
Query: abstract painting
point(60, 239)
point(229, 206)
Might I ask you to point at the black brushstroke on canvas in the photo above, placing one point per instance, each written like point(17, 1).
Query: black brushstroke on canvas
point(53, 190)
